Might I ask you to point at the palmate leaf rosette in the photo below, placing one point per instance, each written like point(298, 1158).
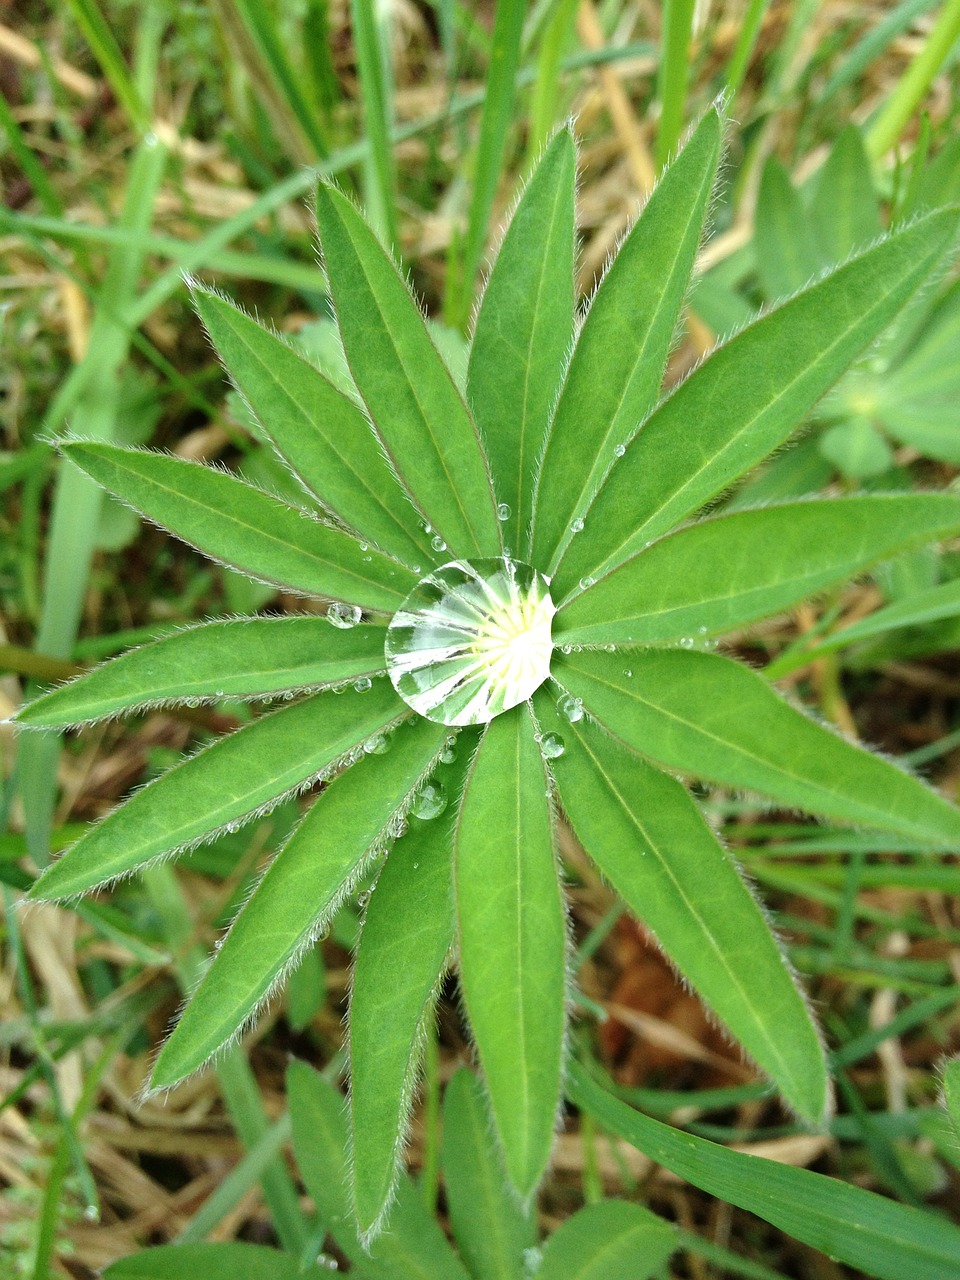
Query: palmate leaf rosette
point(522, 599)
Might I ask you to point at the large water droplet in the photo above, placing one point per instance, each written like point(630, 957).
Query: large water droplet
point(471, 640)
point(378, 745)
point(552, 745)
point(429, 802)
point(343, 616)
point(571, 707)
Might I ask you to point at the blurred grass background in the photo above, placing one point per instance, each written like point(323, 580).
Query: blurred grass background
point(139, 142)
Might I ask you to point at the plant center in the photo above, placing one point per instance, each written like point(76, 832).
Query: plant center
point(471, 640)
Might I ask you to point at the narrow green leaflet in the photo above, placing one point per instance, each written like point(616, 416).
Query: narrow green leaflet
point(296, 895)
point(323, 435)
point(523, 332)
point(606, 1239)
point(787, 253)
point(426, 430)
point(748, 397)
point(246, 528)
point(617, 368)
point(212, 1261)
point(844, 212)
point(951, 1092)
point(414, 1247)
point(718, 720)
point(868, 1232)
point(266, 656)
point(652, 844)
point(725, 572)
point(491, 1227)
point(930, 605)
point(408, 930)
point(512, 940)
point(224, 784)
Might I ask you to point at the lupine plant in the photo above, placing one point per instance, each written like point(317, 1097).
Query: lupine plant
point(521, 585)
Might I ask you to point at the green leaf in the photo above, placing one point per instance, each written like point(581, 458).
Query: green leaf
point(857, 1227)
point(845, 213)
point(788, 256)
point(523, 332)
point(733, 569)
point(491, 1227)
point(857, 449)
point(617, 367)
point(651, 843)
point(297, 894)
point(228, 782)
point(242, 657)
point(748, 397)
point(512, 940)
point(718, 720)
point(414, 1248)
point(408, 930)
point(246, 528)
point(212, 1261)
point(609, 1238)
point(429, 437)
point(951, 1092)
point(323, 435)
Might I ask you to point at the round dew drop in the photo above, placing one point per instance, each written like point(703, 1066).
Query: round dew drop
point(471, 640)
point(571, 708)
point(552, 745)
point(363, 684)
point(577, 526)
point(343, 616)
point(430, 802)
point(503, 511)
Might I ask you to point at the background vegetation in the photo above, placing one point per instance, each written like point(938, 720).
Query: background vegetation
point(144, 141)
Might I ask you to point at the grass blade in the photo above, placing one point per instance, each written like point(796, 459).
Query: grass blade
point(246, 528)
point(371, 38)
point(229, 782)
point(867, 1231)
point(672, 73)
point(512, 940)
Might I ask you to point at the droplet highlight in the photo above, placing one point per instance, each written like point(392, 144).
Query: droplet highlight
point(471, 640)
point(343, 616)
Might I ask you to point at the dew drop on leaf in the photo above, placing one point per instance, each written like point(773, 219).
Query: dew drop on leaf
point(429, 802)
point(585, 583)
point(363, 684)
point(620, 450)
point(438, 543)
point(343, 616)
point(503, 511)
point(577, 526)
point(552, 745)
point(471, 640)
point(571, 708)
point(378, 745)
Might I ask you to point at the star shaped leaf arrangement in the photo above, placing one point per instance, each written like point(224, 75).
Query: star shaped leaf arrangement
point(524, 602)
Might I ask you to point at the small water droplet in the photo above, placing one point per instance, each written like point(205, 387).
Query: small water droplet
point(449, 752)
point(429, 802)
point(577, 526)
point(686, 642)
point(620, 450)
point(416, 866)
point(363, 684)
point(585, 583)
point(702, 630)
point(377, 745)
point(552, 745)
point(438, 543)
point(571, 707)
point(427, 528)
point(327, 1263)
point(92, 1213)
point(628, 673)
point(364, 546)
point(566, 648)
point(343, 616)
point(503, 511)
point(363, 898)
